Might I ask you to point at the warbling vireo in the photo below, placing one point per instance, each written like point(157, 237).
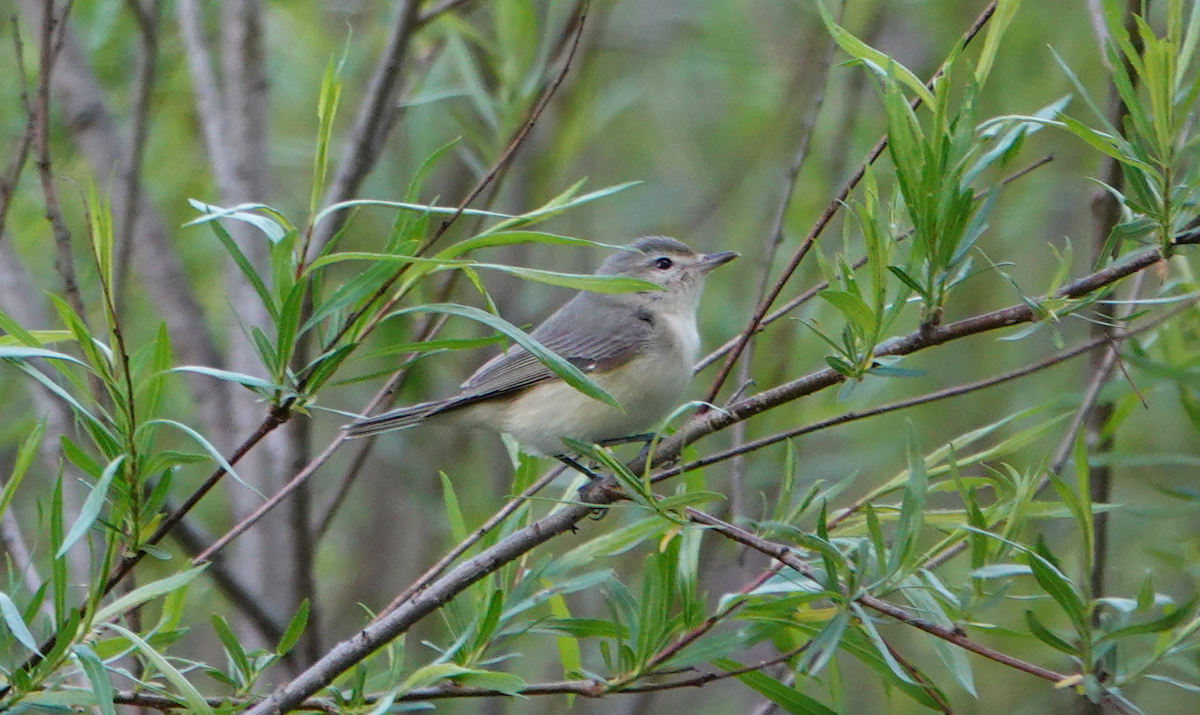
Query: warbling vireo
point(638, 347)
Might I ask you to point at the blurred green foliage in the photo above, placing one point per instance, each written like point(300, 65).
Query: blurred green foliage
point(976, 515)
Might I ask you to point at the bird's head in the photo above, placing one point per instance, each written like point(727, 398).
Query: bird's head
point(669, 263)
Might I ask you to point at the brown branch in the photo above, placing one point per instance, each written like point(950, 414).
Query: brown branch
point(707, 423)
point(822, 222)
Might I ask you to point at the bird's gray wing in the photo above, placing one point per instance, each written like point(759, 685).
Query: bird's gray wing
point(594, 332)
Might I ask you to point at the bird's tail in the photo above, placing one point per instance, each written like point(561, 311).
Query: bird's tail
point(393, 420)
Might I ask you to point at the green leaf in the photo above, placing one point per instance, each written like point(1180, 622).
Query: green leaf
point(868, 627)
point(1166, 622)
point(873, 58)
point(912, 509)
point(1005, 10)
point(854, 309)
point(233, 647)
point(295, 627)
point(609, 544)
point(97, 675)
point(147, 592)
point(1060, 588)
point(1001, 571)
point(90, 511)
point(786, 697)
point(405, 206)
point(243, 264)
point(33, 338)
point(27, 353)
point(570, 655)
point(908, 280)
point(190, 695)
point(270, 227)
point(327, 106)
point(24, 458)
point(508, 238)
point(564, 201)
point(208, 446)
point(1046, 636)
point(592, 283)
point(16, 624)
point(258, 384)
point(560, 367)
point(505, 683)
point(458, 525)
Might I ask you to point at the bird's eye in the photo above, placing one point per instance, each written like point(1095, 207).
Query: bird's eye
point(663, 263)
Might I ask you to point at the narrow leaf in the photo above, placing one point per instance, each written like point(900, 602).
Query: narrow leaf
point(90, 510)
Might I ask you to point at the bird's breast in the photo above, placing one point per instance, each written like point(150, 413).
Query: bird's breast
point(647, 387)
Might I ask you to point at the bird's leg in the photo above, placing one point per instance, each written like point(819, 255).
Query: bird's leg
point(644, 437)
point(577, 467)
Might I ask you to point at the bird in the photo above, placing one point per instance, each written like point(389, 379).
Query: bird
point(639, 347)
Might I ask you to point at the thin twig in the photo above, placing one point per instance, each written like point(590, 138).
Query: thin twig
point(847, 417)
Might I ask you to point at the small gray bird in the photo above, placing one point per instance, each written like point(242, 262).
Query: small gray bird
point(638, 347)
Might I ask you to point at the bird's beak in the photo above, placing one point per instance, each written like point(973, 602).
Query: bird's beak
point(711, 260)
